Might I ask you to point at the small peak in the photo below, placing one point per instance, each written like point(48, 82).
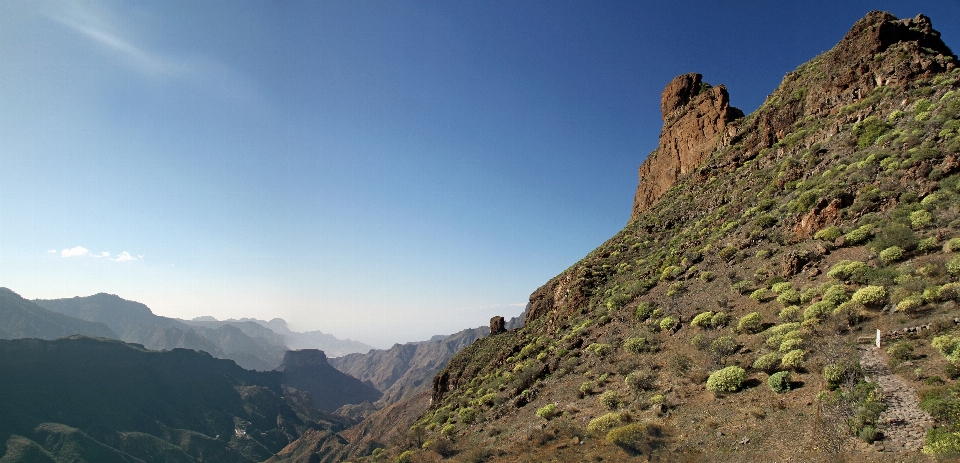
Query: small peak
point(678, 93)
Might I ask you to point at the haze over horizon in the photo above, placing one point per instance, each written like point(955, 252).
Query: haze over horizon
point(383, 172)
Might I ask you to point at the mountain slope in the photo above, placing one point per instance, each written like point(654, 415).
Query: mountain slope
point(20, 318)
point(328, 343)
point(105, 400)
point(724, 316)
point(406, 369)
point(136, 323)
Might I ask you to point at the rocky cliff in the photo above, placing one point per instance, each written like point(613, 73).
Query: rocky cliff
point(695, 120)
point(879, 50)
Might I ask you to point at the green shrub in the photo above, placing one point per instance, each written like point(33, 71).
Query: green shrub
point(790, 314)
point(587, 387)
point(642, 312)
point(703, 320)
point(790, 344)
point(668, 323)
point(762, 254)
point(759, 295)
point(870, 296)
point(910, 304)
point(897, 235)
point(447, 430)
point(868, 434)
point(707, 276)
point(818, 310)
point(779, 382)
point(728, 379)
point(724, 346)
point(675, 288)
point(405, 457)
point(720, 319)
point(750, 323)
point(634, 437)
point(548, 411)
point(920, 219)
point(728, 252)
point(467, 414)
point(793, 359)
point(600, 349)
point(830, 234)
point(841, 373)
point(808, 295)
point(781, 287)
point(637, 345)
point(953, 267)
point(743, 286)
point(603, 424)
point(789, 297)
point(948, 292)
point(891, 254)
point(942, 441)
point(900, 352)
point(670, 273)
point(851, 311)
point(489, 399)
point(948, 345)
point(835, 295)
point(928, 244)
point(767, 362)
point(640, 380)
point(953, 245)
point(858, 236)
point(610, 399)
point(869, 130)
point(847, 270)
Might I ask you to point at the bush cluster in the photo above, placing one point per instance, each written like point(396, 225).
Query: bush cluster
point(779, 382)
point(637, 345)
point(829, 234)
point(750, 323)
point(634, 437)
point(610, 399)
point(891, 254)
point(767, 362)
point(859, 235)
point(640, 380)
point(870, 296)
point(548, 411)
point(603, 424)
point(847, 270)
point(793, 360)
point(728, 379)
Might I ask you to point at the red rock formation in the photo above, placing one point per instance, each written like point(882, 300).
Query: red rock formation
point(695, 118)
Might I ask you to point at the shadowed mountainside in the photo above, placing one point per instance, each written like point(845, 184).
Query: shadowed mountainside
point(20, 318)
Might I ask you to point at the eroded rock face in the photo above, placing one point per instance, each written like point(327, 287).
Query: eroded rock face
point(695, 119)
point(497, 325)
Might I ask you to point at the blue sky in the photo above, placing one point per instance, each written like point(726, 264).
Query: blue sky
point(383, 171)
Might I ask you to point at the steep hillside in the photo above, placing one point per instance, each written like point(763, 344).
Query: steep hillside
point(135, 322)
point(20, 318)
point(101, 400)
point(725, 317)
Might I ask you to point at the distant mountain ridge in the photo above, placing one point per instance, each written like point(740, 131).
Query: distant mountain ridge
point(328, 343)
point(20, 318)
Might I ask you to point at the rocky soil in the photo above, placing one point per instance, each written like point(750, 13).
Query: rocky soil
point(903, 424)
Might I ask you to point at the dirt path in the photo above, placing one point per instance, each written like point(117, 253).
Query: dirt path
point(903, 423)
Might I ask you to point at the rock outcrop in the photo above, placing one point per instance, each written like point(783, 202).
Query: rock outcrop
point(695, 119)
point(497, 325)
point(879, 50)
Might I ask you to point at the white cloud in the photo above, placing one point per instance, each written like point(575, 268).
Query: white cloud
point(104, 254)
point(123, 257)
point(51, 251)
point(75, 252)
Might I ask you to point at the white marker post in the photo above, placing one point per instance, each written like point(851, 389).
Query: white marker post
point(878, 338)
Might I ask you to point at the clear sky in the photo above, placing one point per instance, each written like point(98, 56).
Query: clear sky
point(383, 171)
